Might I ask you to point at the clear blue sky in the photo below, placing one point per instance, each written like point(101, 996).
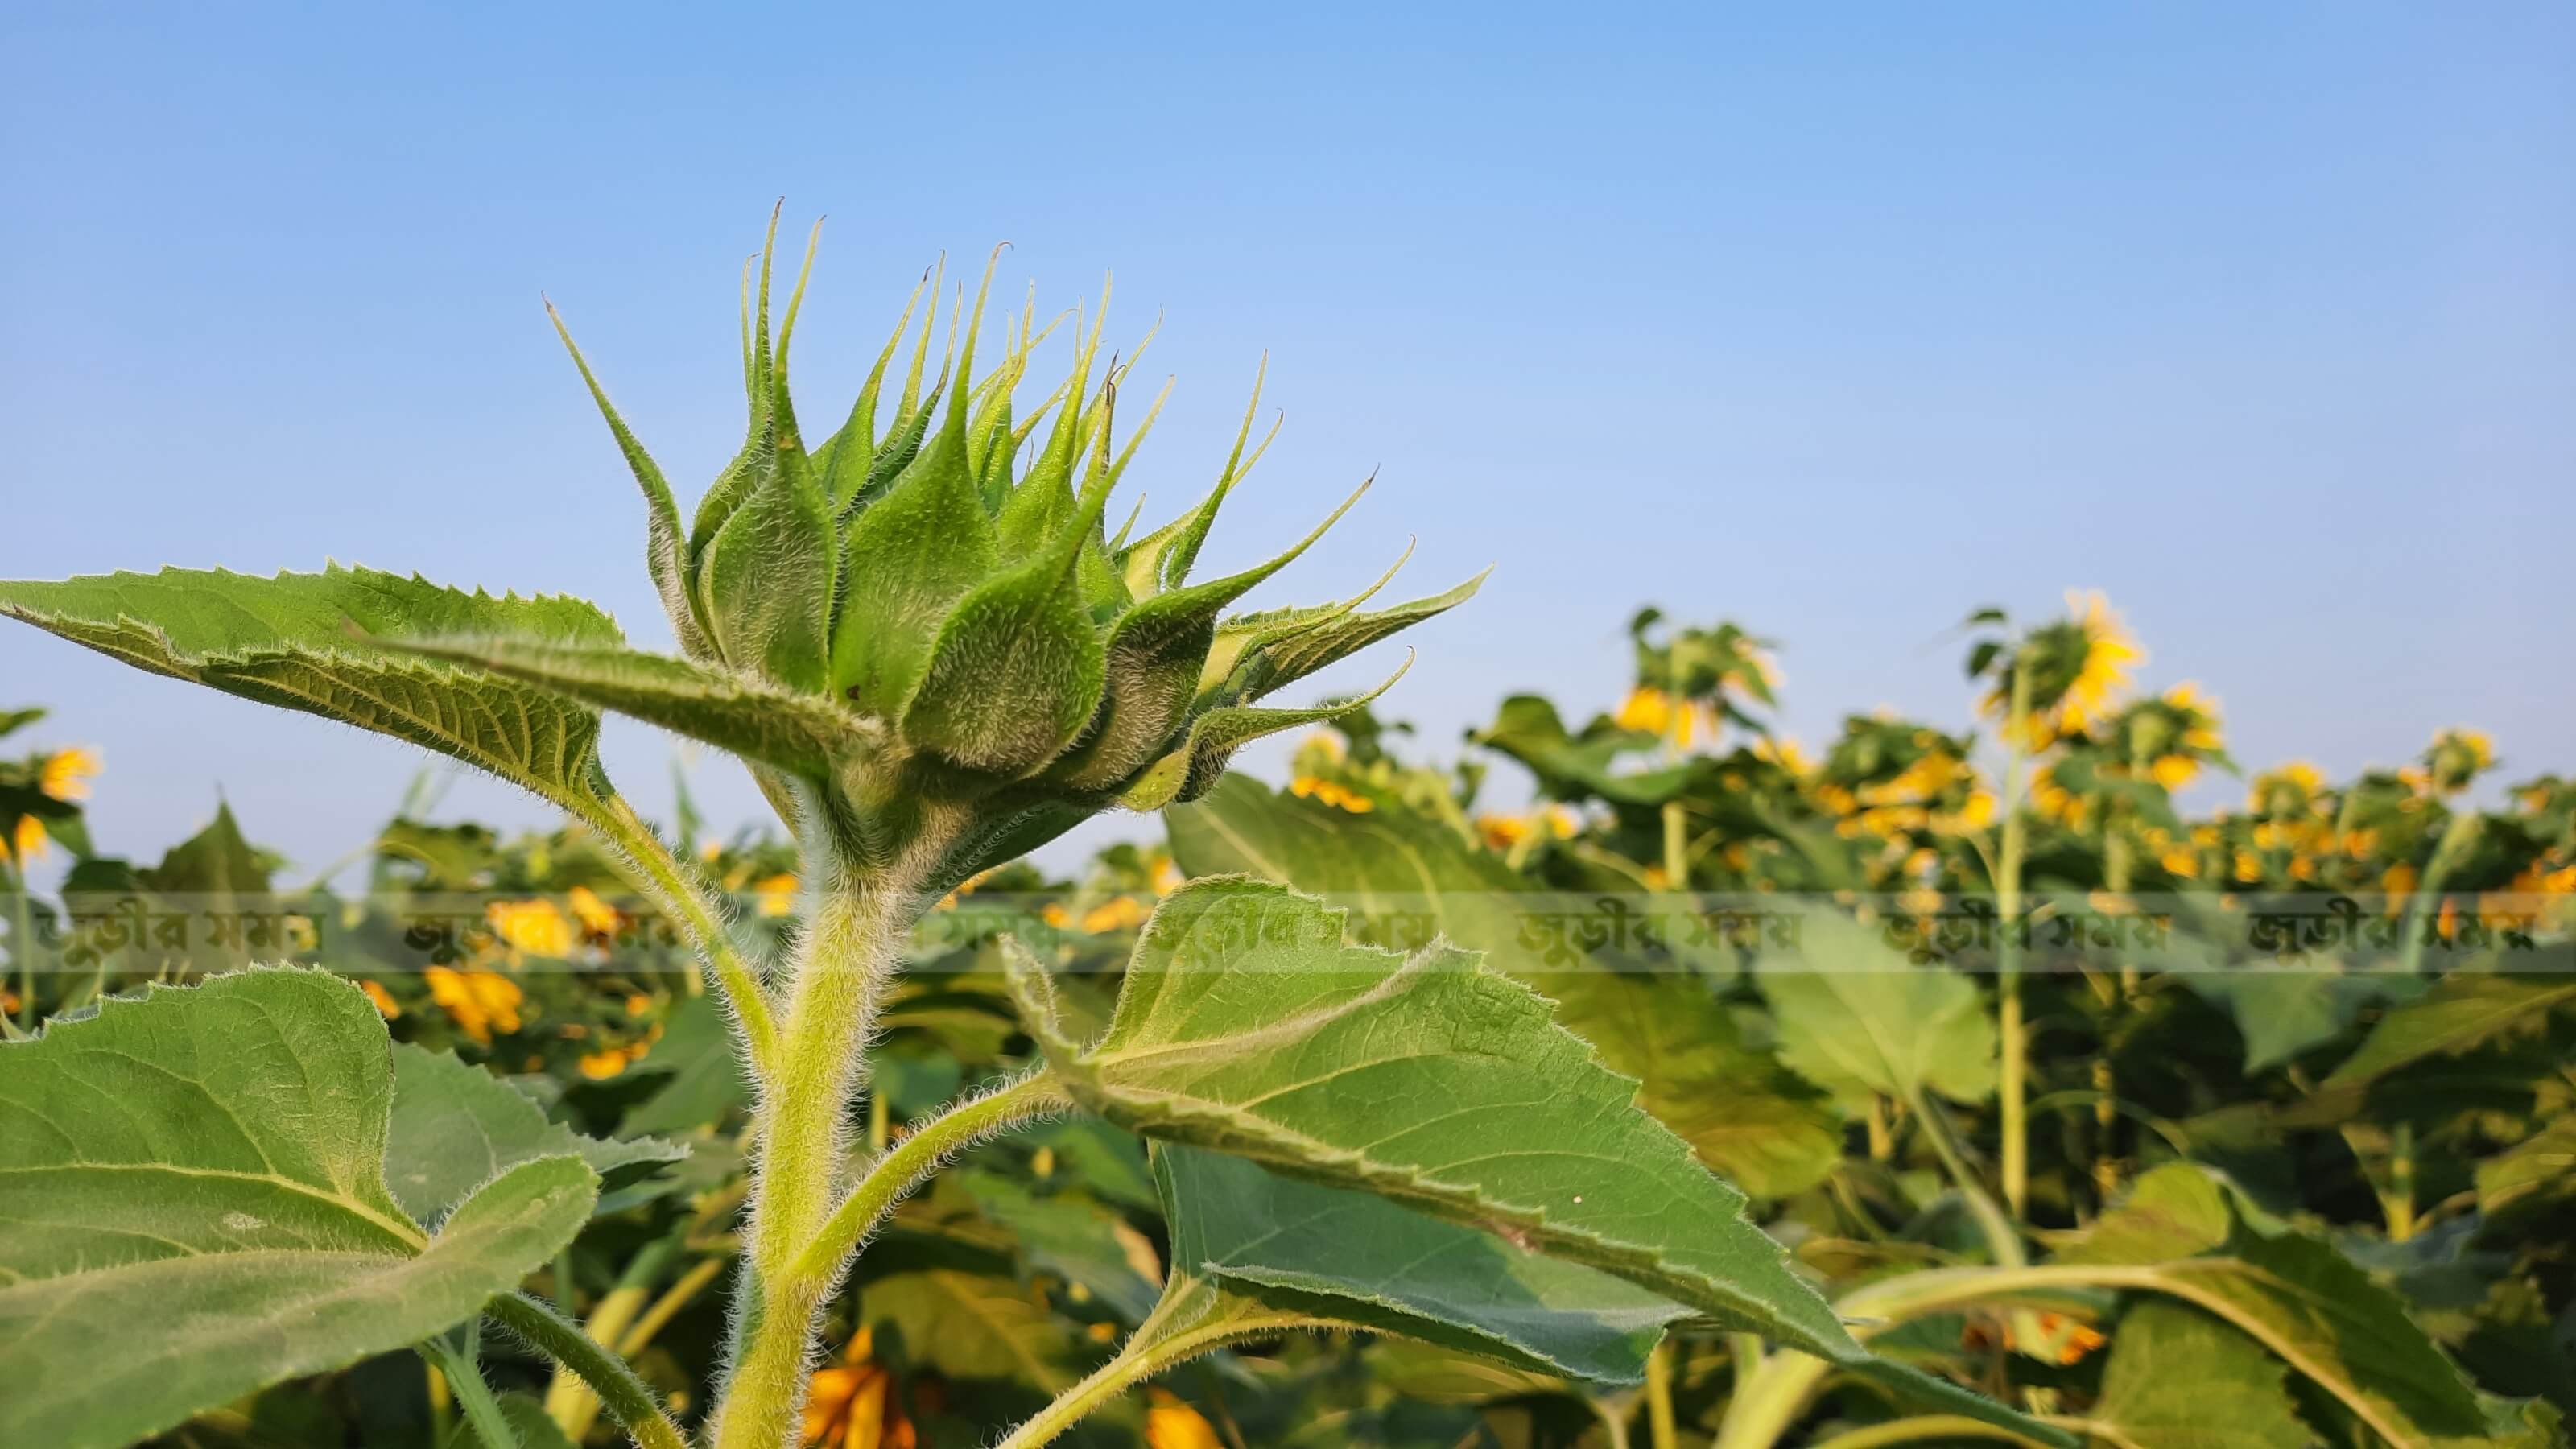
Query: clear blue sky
point(1838, 321)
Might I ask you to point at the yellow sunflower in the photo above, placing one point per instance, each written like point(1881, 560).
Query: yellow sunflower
point(66, 774)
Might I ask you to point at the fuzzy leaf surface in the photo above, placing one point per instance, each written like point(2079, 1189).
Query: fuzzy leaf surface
point(1359, 1258)
point(1743, 1113)
point(751, 717)
point(1247, 1025)
point(2181, 1379)
point(193, 1205)
point(1855, 1018)
point(456, 1126)
point(309, 642)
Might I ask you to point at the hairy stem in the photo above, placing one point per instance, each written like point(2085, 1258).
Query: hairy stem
point(569, 1401)
point(630, 1401)
point(1191, 1319)
point(857, 915)
point(918, 1156)
point(672, 890)
point(839, 967)
point(457, 1364)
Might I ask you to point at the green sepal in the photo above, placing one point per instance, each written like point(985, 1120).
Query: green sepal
point(912, 556)
point(848, 457)
point(1283, 661)
point(1154, 656)
point(665, 546)
point(769, 574)
point(726, 494)
point(1015, 673)
point(1161, 560)
point(1193, 769)
point(1243, 633)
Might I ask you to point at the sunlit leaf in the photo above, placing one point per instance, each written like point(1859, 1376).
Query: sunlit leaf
point(194, 1192)
point(308, 642)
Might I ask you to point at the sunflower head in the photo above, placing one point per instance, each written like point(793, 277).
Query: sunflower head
point(1689, 679)
point(2173, 735)
point(2285, 793)
point(2078, 669)
point(65, 774)
point(2456, 757)
point(921, 621)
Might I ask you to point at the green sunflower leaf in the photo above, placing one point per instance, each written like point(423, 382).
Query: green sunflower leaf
point(312, 642)
point(193, 1185)
point(1299, 1247)
point(1744, 1114)
point(1248, 1025)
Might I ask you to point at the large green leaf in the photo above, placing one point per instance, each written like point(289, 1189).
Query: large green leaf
point(193, 1194)
point(2313, 1307)
point(1352, 1256)
point(1738, 1108)
point(311, 642)
point(456, 1126)
point(1070, 1236)
point(974, 1326)
point(2462, 1010)
point(2283, 1013)
point(1856, 1019)
point(1248, 1026)
point(2181, 1379)
point(2173, 1211)
point(2179, 1234)
point(700, 1072)
point(2537, 1171)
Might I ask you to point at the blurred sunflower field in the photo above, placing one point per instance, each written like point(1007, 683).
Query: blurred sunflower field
point(2246, 1123)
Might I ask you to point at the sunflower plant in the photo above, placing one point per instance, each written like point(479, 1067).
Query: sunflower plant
point(921, 633)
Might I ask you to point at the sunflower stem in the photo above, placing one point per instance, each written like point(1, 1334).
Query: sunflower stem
point(2014, 1086)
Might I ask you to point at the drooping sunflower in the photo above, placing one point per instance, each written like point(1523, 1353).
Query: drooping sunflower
point(2079, 672)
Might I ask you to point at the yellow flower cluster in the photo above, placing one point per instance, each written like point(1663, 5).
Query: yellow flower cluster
point(64, 776)
point(1325, 792)
point(775, 896)
point(607, 1062)
point(1507, 832)
point(1917, 798)
point(1649, 710)
point(537, 927)
point(479, 1002)
point(598, 918)
point(2180, 765)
